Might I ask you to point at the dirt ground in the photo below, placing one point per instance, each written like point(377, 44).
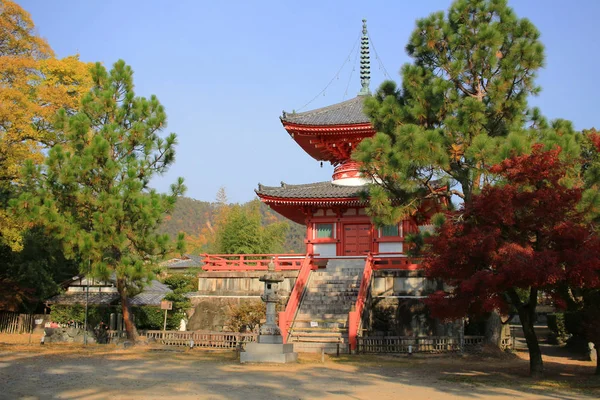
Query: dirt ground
point(32, 371)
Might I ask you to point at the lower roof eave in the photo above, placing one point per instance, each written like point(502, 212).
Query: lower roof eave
point(313, 202)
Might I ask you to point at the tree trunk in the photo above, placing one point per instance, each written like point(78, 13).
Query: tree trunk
point(527, 315)
point(493, 329)
point(126, 309)
point(536, 365)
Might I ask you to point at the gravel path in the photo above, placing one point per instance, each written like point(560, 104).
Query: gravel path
point(53, 372)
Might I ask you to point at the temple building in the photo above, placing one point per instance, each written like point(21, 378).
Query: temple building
point(355, 276)
point(334, 212)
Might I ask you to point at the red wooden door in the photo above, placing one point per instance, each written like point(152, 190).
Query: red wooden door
point(356, 239)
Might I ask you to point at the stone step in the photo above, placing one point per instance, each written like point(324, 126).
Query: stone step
point(319, 331)
point(333, 291)
point(339, 324)
point(341, 272)
point(328, 348)
point(325, 281)
point(321, 317)
point(336, 284)
point(323, 313)
point(302, 338)
point(323, 333)
point(324, 298)
point(345, 272)
point(324, 306)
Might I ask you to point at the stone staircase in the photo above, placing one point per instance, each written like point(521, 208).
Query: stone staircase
point(322, 318)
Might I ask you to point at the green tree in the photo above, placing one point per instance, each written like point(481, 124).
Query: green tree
point(34, 272)
point(33, 86)
point(241, 232)
point(93, 192)
point(461, 108)
point(590, 156)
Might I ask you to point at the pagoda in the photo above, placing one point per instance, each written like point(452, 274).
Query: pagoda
point(334, 212)
point(348, 259)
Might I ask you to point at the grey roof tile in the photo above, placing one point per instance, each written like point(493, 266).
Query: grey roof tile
point(148, 299)
point(150, 296)
point(188, 261)
point(319, 190)
point(102, 298)
point(347, 112)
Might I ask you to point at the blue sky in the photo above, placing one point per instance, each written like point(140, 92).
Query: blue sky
point(225, 70)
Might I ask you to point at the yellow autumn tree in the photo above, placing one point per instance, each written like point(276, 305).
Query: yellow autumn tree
point(33, 86)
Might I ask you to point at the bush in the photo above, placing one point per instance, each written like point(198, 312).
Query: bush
point(556, 324)
point(245, 316)
point(153, 318)
point(66, 314)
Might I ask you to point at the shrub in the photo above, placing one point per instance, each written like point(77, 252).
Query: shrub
point(245, 316)
point(556, 324)
point(66, 314)
point(153, 318)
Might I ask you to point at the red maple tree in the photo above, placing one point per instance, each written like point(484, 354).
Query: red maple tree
point(513, 241)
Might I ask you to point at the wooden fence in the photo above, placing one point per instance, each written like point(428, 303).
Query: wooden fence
point(406, 344)
point(205, 339)
point(12, 322)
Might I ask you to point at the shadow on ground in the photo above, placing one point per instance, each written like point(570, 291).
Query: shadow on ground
point(106, 372)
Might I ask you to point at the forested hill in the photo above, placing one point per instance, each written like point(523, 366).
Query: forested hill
point(197, 218)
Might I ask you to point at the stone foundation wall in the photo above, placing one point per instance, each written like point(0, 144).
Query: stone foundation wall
point(401, 283)
point(393, 316)
point(241, 283)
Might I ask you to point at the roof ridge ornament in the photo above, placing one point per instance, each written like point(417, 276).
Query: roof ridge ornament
point(365, 61)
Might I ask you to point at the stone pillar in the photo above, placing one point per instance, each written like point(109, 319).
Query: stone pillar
point(269, 348)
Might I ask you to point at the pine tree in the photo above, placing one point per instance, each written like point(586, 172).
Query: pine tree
point(221, 197)
point(93, 192)
point(461, 108)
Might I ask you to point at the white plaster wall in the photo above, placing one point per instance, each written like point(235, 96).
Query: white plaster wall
point(325, 249)
point(390, 247)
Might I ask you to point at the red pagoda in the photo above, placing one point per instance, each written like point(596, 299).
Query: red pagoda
point(334, 212)
point(348, 258)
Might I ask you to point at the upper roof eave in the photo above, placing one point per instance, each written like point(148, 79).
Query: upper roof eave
point(348, 112)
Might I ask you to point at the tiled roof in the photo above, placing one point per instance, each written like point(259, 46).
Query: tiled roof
point(147, 299)
point(103, 298)
point(187, 261)
point(347, 112)
point(319, 190)
point(152, 295)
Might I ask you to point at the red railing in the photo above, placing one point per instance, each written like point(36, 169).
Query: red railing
point(395, 261)
point(252, 262)
point(354, 316)
point(287, 317)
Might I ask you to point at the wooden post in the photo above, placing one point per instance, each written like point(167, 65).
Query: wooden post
point(166, 305)
point(165, 324)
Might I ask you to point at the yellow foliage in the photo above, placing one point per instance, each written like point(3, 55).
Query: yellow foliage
point(33, 86)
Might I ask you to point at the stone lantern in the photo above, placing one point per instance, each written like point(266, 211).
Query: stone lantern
point(269, 348)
